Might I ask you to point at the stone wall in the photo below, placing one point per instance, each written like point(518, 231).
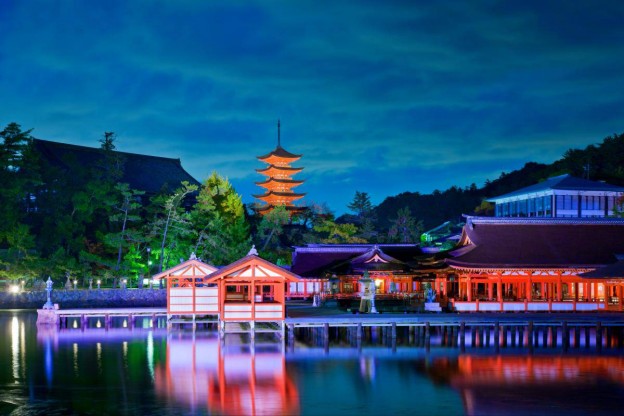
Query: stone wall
point(105, 298)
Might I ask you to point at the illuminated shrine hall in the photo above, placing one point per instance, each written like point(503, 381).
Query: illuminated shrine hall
point(536, 264)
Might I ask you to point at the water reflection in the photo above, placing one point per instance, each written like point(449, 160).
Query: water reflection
point(234, 379)
point(536, 384)
point(15, 341)
point(152, 371)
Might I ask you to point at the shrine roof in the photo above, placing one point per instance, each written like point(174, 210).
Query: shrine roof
point(143, 172)
point(286, 194)
point(538, 243)
point(563, 182)
point(288, 181)
point(283, 168)
point(315, 260)
point(606, 272)
point(280, 152)
point(251, 260)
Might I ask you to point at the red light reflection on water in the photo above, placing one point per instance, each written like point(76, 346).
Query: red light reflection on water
point(201, 374)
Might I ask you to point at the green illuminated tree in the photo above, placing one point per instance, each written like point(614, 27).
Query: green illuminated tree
point(219, 218)
point(173, 224)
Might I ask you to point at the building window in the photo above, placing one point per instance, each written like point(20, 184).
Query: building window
point(547, 206)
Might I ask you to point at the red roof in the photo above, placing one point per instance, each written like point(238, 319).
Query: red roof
point(284, 168)
point(285, 181)
point(280, 152)
point(282, 194)
point(539, 243)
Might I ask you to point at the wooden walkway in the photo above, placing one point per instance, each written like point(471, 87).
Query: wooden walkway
point(322, 320)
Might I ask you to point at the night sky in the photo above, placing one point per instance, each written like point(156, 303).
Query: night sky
point(379, 96)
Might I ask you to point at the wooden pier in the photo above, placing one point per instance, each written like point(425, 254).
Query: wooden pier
point(479, 330)
point(499, 330)
point(82, 317)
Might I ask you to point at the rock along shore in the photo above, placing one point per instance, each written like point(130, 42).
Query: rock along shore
point(104, 298)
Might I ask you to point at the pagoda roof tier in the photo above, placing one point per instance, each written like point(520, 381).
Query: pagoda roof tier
point(280, 153)
point(273, 170)
point(271, 196)
point(265, 208)
point(537, 243)
point(271, 180)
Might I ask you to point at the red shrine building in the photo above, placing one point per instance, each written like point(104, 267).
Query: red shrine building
point(279, 183)
point(536, 264)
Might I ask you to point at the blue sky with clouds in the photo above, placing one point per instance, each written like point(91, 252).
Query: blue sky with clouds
point(379, 96)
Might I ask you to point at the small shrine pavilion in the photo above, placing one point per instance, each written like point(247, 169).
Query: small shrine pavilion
point(279, 183)
point(187, 291)
point(251, 289)
point(536, 264)
point(248, 290)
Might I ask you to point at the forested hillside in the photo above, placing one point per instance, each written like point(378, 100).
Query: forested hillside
point(604, 161)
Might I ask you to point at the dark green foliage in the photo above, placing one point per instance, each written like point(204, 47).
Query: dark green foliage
point(604, 161)
point(80, 221)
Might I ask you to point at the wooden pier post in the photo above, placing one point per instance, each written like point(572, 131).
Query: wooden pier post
point(462, 334)
point(496, 335)
point(326, 337)
point(291, 334)
point(599, 335)
point(394, 330)
point(505, 329)
point(565, 335)
point(473, 336)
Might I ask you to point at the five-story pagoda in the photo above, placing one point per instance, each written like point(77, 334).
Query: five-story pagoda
point(279, 183)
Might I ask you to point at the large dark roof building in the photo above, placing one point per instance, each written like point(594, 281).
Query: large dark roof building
point(529, 243)
point(323, 260)
point(151, 174)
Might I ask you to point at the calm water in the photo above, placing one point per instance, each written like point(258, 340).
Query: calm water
point(149, 371)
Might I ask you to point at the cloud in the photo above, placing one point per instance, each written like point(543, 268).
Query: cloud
point(399, 96)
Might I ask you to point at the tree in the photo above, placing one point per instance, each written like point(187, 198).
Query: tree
point(15, 184)
point(361, 204)
point(272, 226)
point(333, 233)
point(173, 221)
point(485, 209)
point(405, 228)
point(219, 219)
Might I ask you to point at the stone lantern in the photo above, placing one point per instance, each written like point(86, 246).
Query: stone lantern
point(48, 304)
point(367, 294)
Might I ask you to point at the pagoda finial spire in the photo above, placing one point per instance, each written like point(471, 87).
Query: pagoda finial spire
point(279, 144)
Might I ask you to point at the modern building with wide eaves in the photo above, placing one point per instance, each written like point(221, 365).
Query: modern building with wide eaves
point(560, 196)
